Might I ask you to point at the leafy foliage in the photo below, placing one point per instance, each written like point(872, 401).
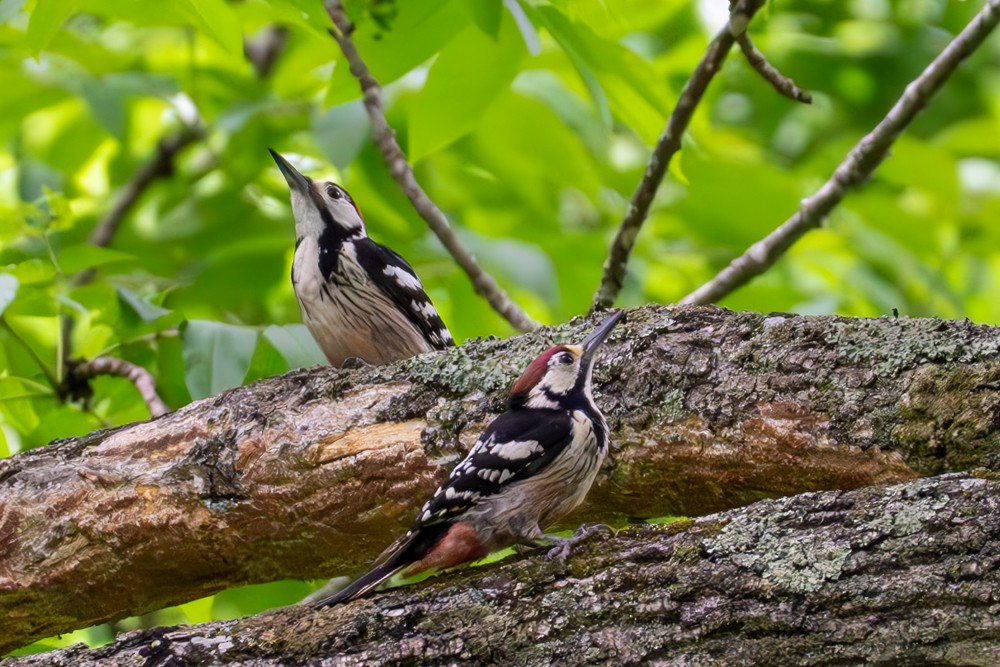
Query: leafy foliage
point(528, 122)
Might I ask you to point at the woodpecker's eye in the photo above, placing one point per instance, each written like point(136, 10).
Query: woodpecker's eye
point(564, 358)
point(333, 192)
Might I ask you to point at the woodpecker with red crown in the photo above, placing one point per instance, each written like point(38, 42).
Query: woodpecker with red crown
point(532, 466)
point(359, 299)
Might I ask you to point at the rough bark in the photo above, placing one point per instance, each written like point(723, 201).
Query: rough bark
point(899, 575)
point(312, 473)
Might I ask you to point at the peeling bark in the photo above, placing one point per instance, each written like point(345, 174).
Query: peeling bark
point(899, 575)
point(312, 473)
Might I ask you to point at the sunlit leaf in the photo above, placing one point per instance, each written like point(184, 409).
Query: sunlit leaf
point(45, 21)
point(419, 31)
point(485, 13)
point(218, 21)
point(466, 77)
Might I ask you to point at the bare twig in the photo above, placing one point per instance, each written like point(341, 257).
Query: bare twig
point(866, 155)
point(385, 138)
point(781, 83)
point(263, 49)
point(161, 165)
point(666, 146)
point(139, 376)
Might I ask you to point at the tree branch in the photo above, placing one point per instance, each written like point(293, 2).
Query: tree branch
point(312, 473)
point(264, 48)
point(769, 72)
point(666, 146)
point(143, 380)
point(160, 166)
point(484, 284)
point(859, 164)
point(900, 575)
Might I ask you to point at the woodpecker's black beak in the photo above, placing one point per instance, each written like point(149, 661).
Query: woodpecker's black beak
point(296, 181)
point(599, 335)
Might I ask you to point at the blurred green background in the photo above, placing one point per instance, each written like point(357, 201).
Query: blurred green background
point(528, 122)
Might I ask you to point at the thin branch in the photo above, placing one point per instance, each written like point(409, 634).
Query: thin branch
point(264, 48)
point(770, 73)
point(859, 164)
point(666, 146)
point(137, 375)
point(160, 166)
point(401, 171)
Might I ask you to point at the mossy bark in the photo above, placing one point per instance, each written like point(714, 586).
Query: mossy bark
point(899, 575)
point(314, 472)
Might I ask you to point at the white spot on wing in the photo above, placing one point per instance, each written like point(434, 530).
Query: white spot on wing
point(515, 450)
point(402, 277)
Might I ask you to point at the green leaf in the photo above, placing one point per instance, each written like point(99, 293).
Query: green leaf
point(33, 271)
point(633, 90)
point(8, 290)
point(216, 356)
point(45, 20)
point(146, 311)
point(419, 31)
point(266, 362)
point(107, 104)
point(217, 20)
point(85, 256)
point(486, 14)
point(466, 77)
point(342, 132)
point(295, 344)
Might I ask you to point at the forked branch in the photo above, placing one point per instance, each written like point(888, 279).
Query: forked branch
point(667, 145)
point(401, 171)
point(859, 164)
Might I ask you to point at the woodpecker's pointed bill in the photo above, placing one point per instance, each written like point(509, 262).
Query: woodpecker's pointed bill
point(358, 299)
point(533, 465)
point(295, 180)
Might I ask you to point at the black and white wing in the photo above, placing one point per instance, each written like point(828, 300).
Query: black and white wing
point(517, 445)
point(396, 278)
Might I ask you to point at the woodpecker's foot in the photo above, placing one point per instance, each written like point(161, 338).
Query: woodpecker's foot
point(564, 545)
point(354, 362)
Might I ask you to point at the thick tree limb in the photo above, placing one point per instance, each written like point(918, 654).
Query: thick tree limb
point(859, 164)
point(667, 145)
point(312, 473)
point(899, 575)
point(401, 171)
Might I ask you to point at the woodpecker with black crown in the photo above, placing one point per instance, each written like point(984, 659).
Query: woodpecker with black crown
point(359, 299)
point(533, 465)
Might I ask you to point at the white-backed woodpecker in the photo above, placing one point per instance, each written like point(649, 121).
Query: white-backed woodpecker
point(359, 299)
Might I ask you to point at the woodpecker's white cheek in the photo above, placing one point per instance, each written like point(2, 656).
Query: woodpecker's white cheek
point(561, 379)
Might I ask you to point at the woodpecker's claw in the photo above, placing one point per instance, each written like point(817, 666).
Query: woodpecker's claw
point(354, 362)
point(564, 545)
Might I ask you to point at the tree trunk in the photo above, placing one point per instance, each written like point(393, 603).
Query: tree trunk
point(899, 575)
point(314, 472)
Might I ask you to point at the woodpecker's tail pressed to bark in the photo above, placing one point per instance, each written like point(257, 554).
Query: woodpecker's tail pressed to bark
point(402, 553)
